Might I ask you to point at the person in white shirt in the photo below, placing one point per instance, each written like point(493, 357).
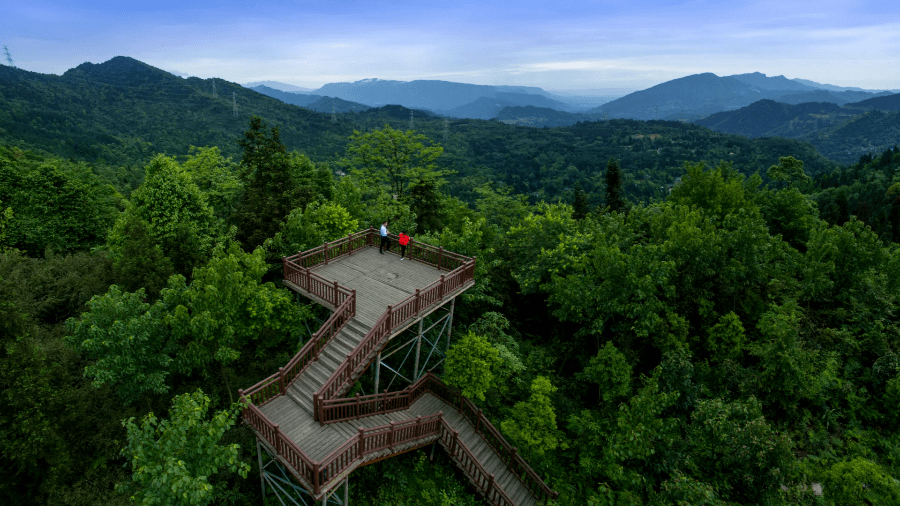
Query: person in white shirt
point(385, 242)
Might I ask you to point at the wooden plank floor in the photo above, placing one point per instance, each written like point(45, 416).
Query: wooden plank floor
point(379, 281)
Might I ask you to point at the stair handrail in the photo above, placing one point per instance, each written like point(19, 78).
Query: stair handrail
point(351, 408)
point(480, 477)
point(392, 318)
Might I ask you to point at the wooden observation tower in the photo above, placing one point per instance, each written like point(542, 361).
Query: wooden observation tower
point(310, 437)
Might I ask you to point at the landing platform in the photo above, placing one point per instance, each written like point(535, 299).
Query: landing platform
point(380, 280)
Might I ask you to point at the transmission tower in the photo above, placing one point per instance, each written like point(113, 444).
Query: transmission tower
point(333, 112)
point(215, 95)
point(446, 128)
point(410, 120)
point(234, 102)
point(9, 59)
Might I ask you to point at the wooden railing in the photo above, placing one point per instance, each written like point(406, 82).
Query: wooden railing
point(325, 473)
point(350, 408)
point(322, 475)
point(393, 318)
point(465, 459)
point(277, 384)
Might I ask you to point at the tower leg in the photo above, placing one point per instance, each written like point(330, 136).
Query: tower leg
point(377, 371)
point(415, 375)
point(450, 325)
point(262, 479)
point(347, 490)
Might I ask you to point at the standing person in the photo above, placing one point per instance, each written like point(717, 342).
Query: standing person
point(404, 240)
point(384, 238)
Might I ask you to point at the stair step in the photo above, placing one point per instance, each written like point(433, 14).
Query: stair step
point(305, 405)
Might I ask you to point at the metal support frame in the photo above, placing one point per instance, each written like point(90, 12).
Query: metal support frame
point(412, 348)
point(287, 490)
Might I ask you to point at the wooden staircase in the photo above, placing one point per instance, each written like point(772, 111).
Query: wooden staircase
point(320, 437)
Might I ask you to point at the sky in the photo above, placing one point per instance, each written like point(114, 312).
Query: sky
point(570, 45)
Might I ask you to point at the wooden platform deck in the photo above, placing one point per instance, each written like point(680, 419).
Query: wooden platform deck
point(380, 280)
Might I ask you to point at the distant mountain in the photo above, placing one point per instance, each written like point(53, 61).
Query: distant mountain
point(704, 94)
point(695, 94)
point(832, 97)
point(831, 87)
point(776, 83)
point(882, 103)
point(540, 117)
point(488, 108)
point(316, 103)
point(336, 105)
point(278, 86)
point(442, 96)
point(301, 99)
point(767, 118)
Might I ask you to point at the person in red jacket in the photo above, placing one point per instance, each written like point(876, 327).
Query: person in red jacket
point(404, 240)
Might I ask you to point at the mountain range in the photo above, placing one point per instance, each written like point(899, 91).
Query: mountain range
point(122, 110)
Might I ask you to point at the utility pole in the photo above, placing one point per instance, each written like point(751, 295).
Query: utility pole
point(215, 95)
point(9, 59)
point(234, 102)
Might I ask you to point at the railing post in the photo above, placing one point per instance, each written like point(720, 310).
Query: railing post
point(441, 288)
point(336, 296)
point(384, 401)
point(478, 421)
point(320, 408)
point(440, 257)
point(325, 251)
point(353, 305)
point(362, 443)
point(512, 455)
point(418, 426)
point(316, 485)
point(391, 438)
point(418, 300)
point(277, 439)
point(453, 443)
point(490, 485)
point(390, 318)
point(315, 338)
point(281, 379)
point(349, 244)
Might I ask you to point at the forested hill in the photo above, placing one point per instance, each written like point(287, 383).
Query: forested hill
point(120, 113)
point(123, 111)
point(839, 133)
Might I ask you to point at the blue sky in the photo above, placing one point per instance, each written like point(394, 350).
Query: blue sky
point(577, 45)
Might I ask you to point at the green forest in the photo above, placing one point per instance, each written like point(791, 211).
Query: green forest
point(697, 319)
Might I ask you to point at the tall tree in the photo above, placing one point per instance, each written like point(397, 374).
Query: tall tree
point(172, 460)
point(270, 191)
point(393, 160)
point(615, 199)
point(579, 202)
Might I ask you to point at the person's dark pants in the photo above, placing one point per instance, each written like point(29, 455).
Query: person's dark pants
point(402, 251)
point(385, 243)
